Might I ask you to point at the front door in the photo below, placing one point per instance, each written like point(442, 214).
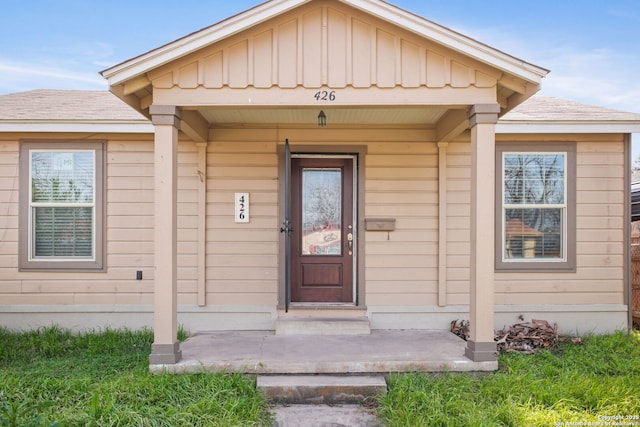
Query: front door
point(323, 239)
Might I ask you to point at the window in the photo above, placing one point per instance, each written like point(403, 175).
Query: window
point(61, 208)
point(536, 197)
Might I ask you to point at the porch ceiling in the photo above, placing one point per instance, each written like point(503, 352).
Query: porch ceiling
point(401, 116)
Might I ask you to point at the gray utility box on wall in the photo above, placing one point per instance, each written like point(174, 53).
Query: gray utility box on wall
point(380, 224)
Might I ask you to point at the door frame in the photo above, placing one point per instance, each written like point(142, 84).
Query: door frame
point(358, 153)
point(353, 220)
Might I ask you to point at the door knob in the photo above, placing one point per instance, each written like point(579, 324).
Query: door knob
point(350, 243)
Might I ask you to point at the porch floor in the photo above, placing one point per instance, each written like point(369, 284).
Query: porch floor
point(383, 351)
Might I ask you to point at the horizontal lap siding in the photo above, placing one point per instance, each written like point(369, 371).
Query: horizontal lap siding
point(242, 258)
point(458, 222)
point(402, 183)
point(130, 218)
point(9, 196)
point(129, 237)
point(599, 276)
point(187, 258)
point(241, 262)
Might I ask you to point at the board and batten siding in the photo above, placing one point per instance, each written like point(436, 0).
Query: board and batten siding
point(325, 44)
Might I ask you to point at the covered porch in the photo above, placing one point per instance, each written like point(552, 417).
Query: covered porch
point(399, 353)
point(383, 351)
point(275, 70)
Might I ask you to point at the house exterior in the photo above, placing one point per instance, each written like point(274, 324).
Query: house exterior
point(314, 158)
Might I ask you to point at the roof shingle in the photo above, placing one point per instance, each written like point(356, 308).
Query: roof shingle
point(47, 105)
point(66, 105)
point(546, 108)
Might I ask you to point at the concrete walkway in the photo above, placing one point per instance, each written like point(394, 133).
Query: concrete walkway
point(324, 416)
point(383, 351)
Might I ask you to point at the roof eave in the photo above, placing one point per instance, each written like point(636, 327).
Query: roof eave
point(139, 65)
point(595, 126)
point(197, 40)
point(76, 126)
point(452, 39)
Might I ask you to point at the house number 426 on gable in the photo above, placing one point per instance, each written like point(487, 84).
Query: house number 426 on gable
point(325, 95)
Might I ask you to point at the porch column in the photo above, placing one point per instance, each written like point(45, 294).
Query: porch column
point(165, 348)
point(482, 120)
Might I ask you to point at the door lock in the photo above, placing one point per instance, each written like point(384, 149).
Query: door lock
point(350, 243)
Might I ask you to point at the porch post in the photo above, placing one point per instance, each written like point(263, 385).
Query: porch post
point(165, 348)
point(482, 120)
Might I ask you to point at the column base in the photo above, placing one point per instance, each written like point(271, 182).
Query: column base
point(165, 354)
point(481, 351)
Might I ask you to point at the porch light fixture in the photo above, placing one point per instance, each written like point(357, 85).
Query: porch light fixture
point(322, 119)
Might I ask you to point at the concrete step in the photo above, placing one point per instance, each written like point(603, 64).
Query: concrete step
point(323, 326)
point(320, 389)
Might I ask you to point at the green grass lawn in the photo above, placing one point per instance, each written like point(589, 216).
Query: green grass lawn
point(591, 384)
point(102, 379)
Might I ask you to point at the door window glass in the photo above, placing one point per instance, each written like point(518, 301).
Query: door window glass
point(321, 211)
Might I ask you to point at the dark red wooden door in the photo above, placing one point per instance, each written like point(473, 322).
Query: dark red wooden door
point(322, 243)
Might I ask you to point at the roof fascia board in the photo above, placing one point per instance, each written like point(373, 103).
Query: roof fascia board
point(501, 128)
point(44, 127)
point(451, 39)
point(197, 40)
point(265, 11)
point(523, 127)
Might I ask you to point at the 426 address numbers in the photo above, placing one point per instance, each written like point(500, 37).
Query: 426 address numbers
point(325, 95)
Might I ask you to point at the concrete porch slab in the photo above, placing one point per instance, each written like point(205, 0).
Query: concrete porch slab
point(383, 351)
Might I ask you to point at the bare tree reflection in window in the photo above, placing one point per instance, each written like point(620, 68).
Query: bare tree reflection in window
point(62, 197)
point(321, 211)
point(534, 198)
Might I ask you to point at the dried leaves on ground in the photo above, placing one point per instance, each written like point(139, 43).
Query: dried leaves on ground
point(460, 328)
point(524, 337)
point(527, 337)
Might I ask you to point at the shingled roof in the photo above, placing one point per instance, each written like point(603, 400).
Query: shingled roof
point(85, 106)
point(66, 105)
point(547, 108)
